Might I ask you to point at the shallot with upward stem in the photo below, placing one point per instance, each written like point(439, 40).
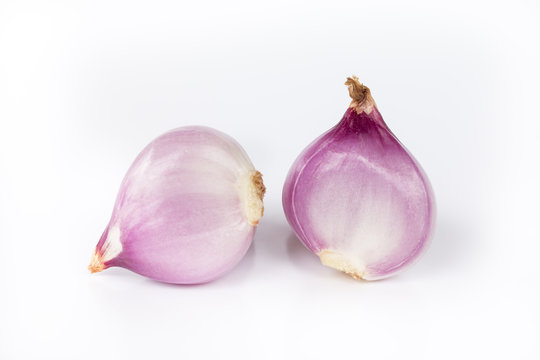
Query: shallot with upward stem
point(357, 198)
point(187, 209)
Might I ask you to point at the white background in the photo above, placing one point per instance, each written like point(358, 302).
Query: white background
point(85, 85)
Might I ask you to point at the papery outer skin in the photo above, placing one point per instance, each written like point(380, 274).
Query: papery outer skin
point(178, 210)
point(357, 191)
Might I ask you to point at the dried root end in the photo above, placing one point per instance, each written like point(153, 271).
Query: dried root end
point(342, 263)
point(361, 96)
point(96, 264)
point(258, 185)
point(252, 191)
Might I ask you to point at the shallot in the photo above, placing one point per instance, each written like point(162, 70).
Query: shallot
point(186, 211)
point(357, 198)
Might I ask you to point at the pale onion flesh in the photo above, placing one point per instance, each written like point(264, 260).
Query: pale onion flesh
point(357, 198)
point(186, 211)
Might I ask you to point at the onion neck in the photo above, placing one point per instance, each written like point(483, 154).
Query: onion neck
point(96, 264)
point(252, 191)
point(362, 101)
point(362, 114)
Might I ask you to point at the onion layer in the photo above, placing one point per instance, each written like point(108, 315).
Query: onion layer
point(186, 211)
point(357, 198)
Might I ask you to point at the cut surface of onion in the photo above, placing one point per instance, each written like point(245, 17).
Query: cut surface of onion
point(186, 211)
point(357, 198)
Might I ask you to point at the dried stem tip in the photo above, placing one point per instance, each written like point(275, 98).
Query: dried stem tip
point(96, 265)
point(357, 90)
point(362, 100)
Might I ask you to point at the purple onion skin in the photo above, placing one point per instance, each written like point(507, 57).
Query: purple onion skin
point(357, 195)
point(179, 216)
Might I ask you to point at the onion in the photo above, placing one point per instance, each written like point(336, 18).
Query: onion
point(357, 198)
point(186, 211)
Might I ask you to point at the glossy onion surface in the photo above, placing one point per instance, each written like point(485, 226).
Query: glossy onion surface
point(357, 198)
point(186, 211)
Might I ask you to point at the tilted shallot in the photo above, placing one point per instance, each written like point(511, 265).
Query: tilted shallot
point(357, 198)
point(186, 211)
